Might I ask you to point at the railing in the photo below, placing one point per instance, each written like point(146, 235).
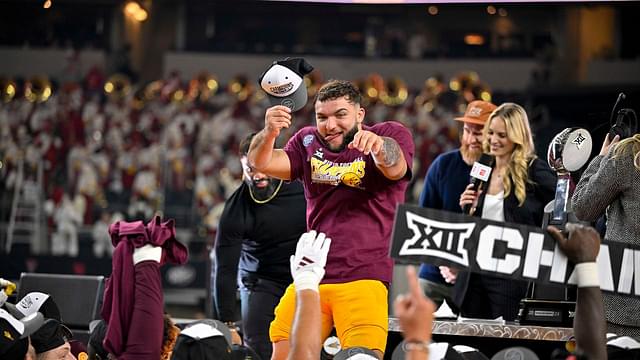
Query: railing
point(30, 191)
point(14, 204)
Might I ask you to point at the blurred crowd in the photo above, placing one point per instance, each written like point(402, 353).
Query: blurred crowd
point(170, 146)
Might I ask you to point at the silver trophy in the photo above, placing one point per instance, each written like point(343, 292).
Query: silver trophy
point(552, 305)
point(568, 151)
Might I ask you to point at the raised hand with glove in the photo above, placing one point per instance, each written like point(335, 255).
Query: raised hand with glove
point(307, 270)
point(307, 265)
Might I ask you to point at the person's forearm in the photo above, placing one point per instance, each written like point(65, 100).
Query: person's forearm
point(144, 336)
point(224, 293)
point(305, 337)
point(589, 326)
point(225, 274)
point(595, 190)
point(390, 159)
point(261, 150)
point(417, 349)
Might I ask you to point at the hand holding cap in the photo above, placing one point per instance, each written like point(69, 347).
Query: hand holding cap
point(284, 83)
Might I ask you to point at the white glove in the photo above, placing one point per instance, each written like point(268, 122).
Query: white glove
point(3, 297)
point(147, 253)
point(307, 265)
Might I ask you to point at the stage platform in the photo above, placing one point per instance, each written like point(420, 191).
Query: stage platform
point(489, 337)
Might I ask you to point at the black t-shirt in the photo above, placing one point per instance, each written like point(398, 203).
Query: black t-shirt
point(256, 239)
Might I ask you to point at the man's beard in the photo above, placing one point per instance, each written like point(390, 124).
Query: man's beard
point(347, 138)
point(263, 193)
point(470, 155)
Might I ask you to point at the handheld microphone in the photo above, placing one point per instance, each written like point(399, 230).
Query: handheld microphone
point(621, 96)
point(479, 175)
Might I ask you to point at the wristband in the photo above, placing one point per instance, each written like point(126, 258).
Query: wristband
point(232, 325)
point(146, 253)
point(587, 275)
point(416, 346)
point(307, 280)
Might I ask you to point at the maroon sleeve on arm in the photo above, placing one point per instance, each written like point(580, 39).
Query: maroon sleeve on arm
point(296, 153)
point(144, 340)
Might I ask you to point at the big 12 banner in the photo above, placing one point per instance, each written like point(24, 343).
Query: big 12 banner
point(514, 251)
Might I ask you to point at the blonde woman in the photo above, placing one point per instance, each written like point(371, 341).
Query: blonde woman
point(611, 184)
point(519, 188)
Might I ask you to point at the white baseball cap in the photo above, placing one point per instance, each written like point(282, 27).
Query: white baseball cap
point(284, 83)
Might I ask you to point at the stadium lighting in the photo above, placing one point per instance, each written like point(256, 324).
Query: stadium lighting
point(133, 10)
point(474, 39)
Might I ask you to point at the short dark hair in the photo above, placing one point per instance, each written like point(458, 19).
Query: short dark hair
point(243, 149)
point(335, 89)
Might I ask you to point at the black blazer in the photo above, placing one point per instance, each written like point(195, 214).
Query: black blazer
point(540, 190)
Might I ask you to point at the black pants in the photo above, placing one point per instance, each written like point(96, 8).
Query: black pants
point(258, 299)
point(489, 297)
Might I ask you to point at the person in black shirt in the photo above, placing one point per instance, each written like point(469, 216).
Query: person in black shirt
point(258, 231)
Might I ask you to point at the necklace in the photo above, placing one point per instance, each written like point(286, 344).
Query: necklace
point(269, 198)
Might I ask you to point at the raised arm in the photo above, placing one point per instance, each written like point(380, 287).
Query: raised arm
point(599, 184)
point(262, 155)
point(415, 314)
point(589, 326)
point(390, 159)
point(144, 336)
point(307, 269)
point(386, 153)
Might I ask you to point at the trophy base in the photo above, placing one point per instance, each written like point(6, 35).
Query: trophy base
point(546, 313)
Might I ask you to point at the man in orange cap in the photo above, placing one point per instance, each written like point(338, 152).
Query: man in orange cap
point(447, 178)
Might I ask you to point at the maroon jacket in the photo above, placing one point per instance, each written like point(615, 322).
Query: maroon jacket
point(133, 302)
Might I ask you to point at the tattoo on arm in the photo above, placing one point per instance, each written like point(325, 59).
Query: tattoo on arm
point(390, 152)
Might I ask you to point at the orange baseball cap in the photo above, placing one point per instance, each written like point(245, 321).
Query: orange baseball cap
point(477, 112)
